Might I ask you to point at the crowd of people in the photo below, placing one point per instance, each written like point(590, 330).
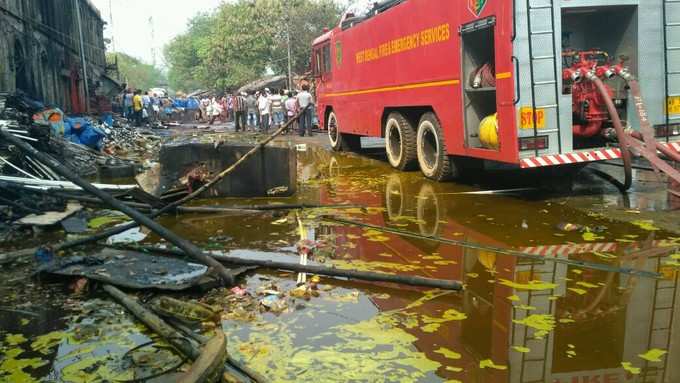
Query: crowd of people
point(256, 111)
point(263, 110)
point(141, 108)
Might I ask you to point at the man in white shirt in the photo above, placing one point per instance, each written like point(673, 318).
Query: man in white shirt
point(264, 106)
point(277, 108)
point(305, 99)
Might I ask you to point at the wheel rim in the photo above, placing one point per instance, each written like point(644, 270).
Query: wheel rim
point(429, 146)
point(333, 133)
point(394, 142)
point(427, 211)
point(394, 197)
point(333, 167)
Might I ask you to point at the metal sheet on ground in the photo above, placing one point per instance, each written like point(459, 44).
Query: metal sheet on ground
point(134, 270)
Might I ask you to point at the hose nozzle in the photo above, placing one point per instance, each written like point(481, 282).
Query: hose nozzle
point(604, 72)
point(624, 73)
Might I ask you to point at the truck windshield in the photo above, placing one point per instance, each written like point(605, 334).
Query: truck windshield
point(363, 9)
point(359, 8)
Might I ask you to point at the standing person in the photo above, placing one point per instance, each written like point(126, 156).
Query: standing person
point(251, 107)
point(138, 107)
point(214, 110)
point(203, 107)
point(224, 104)
point(264, 105)
point(127, 104)
point(291, 109)
point(277, 108)
point(156, 106)
point(230, 107)
point(146, 101)
point(305, 99)
point(240, 111)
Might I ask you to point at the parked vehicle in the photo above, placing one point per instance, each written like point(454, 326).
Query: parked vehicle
point(510, 84)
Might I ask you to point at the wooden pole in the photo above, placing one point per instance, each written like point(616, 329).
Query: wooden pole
point(154, 322)
point(208, 363)
point(320, 270)
point(208, 367)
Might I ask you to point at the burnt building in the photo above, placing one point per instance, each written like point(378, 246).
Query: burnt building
point(40, 51)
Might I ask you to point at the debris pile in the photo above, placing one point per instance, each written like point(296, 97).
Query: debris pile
point(125, 142)
point(33, 195)
point(81, 143)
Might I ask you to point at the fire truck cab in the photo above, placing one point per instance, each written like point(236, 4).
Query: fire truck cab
point(512, 83)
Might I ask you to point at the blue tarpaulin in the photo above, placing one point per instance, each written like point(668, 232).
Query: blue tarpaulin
point(81, 131)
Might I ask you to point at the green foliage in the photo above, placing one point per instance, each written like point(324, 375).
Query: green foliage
point(137, 74)
point(244, 39)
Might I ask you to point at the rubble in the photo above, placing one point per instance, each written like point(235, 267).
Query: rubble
point(83, 144)
point(87, 146)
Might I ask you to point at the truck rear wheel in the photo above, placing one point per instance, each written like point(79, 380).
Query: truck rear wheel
point(341, 141)
point(400, 142)
point(432, 155)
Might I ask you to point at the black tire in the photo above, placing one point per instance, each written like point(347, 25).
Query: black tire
point(432, 155)
point(400, 142)
point(341, 142)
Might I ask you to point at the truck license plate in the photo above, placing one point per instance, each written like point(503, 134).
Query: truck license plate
point(527, 118)
point(674, 105)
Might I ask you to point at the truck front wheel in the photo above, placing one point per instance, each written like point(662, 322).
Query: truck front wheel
point(432, 155)
point(340, 141)
point(400, 142)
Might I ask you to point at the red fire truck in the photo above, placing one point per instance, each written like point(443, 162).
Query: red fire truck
point(523, 83)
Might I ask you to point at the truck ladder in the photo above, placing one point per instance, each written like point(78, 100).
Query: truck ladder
point(538, 10)
point(671, 27)
point(665, 292)
point(535, 360)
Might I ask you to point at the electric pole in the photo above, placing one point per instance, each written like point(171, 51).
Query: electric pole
point(290, 59)
point(82, 56)
point(113, 41)
point(290, 63)
point(153, 39)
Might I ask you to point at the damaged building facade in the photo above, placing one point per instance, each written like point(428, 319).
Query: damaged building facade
point(40, 51)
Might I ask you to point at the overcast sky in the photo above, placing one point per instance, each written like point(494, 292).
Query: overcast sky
point(131, 29)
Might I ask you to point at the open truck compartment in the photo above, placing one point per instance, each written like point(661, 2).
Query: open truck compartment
point(478, 78)
point(642, 38)
point(604, 37)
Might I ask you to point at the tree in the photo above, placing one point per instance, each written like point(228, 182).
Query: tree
point(306, 20)
point(244, 39)
point(137, 74)
point(184, 53)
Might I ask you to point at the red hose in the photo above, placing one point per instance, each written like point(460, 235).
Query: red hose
point(646, 133)
point(672, 154)
point(620, 132)
point(646, 130)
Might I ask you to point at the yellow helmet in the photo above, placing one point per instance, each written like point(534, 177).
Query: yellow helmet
point(488, 132)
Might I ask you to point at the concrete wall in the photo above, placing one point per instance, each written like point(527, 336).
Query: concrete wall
point(40, 50)
point(272, 167)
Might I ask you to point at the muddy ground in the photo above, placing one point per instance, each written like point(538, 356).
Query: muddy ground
point(518, 319)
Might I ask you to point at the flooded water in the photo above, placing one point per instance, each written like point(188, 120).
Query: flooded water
point(572, 312)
